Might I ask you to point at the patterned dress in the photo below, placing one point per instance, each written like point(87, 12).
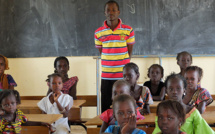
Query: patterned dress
point(200, 95)
point(7, 127)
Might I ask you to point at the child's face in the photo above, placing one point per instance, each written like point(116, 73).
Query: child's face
point(122, 112)
point(155, 74)
point(175, 89)
point(130, 76)
point(111, 12)
point(9, 104)
point(121, 89)
point(192, 78)
point(168, 122)
point(2, 65)
point(184, 61)
point(56, 84)
point(62, 67)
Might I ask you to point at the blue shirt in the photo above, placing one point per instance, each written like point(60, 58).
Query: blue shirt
point(110, 129)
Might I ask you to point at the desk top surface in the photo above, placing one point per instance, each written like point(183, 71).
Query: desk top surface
point(33, 103)
point(149, 119)
point(49, 118)
point(209, 117)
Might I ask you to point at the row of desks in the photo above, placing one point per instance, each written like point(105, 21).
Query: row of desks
point(153, 107)
point(30, 107)
point(209, 116)
point(33, 113)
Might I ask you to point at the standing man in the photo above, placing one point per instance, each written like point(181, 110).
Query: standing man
point(114, 41)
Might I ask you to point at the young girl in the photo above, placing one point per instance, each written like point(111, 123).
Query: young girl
point(140, 93)
point(184, 60)
point(171, 115)
point(57, 103)
point(124, 107)
point(194, 123)
point(155, 85)
point(6, 80)
point(119, 87)
point(12, 118)
point(194, 94)
point(61, 65)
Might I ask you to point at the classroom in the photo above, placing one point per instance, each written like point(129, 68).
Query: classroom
point(41, 37)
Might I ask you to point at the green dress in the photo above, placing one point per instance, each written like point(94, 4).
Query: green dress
point(194, 124)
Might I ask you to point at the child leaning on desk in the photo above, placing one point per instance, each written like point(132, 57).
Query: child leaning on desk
point(119, 87)
point(124, 111)
point(12, 118)
point(57, 103)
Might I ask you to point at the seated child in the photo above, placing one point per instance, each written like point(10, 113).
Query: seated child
point(141, 94)
point(194, 123)
point(12, 118)
point(171, 115)
point(184, 60)
point(194, 94)
point(6, 81)
point(61, 65)
point(124, 110)
point(155, 85)
point(57, 103)
point(119, 87)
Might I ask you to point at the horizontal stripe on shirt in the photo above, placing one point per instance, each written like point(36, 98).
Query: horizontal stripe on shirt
point(114, 57)
point(115, 62)
point(112, 75)
point(115, 53)
point(104, 78)
point(112, 70)
point(113, 66)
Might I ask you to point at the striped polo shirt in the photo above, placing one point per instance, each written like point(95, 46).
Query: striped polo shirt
point(114, 49)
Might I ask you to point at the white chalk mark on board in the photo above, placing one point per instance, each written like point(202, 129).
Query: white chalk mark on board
point(132, 7)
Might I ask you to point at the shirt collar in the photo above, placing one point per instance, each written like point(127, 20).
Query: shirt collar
point(118, 26)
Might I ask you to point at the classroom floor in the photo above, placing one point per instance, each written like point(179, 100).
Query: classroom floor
point(76, 129)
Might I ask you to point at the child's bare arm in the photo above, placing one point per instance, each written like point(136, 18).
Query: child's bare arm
point(62, 110)
point(145, 110)
point(161, 96)
point(72, 91)
point(201, 106)
point(103, 127)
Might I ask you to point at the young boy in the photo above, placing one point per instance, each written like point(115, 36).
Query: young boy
point(114, 41)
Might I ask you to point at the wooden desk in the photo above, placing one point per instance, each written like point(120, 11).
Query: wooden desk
point(209, 117)
point(211, 107)
point(149, 119)
point(48, 118)
point(30, 107)
point(153, 107)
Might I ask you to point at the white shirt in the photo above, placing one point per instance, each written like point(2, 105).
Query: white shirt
point(45, 105)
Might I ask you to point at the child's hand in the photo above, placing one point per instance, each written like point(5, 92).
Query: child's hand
point(56, 96)
point(130, 126)
point(51, 128)
point(143, 111)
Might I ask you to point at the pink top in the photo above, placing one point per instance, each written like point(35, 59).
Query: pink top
point(68, 84)
point(107, 116)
